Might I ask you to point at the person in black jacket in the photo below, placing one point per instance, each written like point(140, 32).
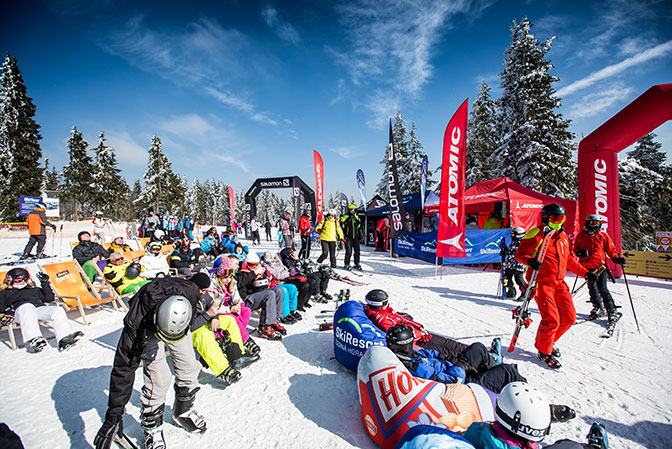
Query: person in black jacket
point(318, 279)
point(158, 319)
point(86, 253)
point(352, 230)
point(24, 303)
point(185, 259)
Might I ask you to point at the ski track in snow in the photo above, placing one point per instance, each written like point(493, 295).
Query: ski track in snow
point(298, 396)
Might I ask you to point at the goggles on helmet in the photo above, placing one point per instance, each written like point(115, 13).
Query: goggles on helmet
point(557, 219)
point(19, 278)
point(594, 223)
point(227, 273)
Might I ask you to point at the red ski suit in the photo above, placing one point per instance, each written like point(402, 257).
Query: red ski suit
point(598, 247)
point(304, 225)
point(552, 293)
point(386, 317)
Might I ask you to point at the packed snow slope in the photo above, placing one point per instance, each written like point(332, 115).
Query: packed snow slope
point(298, 396)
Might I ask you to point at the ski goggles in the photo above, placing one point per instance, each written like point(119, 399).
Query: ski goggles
point(17, 278)
point(227, 273)
point(594, 223)
point(557, 219)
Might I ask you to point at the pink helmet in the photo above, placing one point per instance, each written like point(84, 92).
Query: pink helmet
point(227, 264)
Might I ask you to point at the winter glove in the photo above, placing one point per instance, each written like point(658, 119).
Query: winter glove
point(112, 426)
point(42, 276)
point(618, 260)
point(534, 263)
point(53, 227)
point(582, 253)
point(502, 253)
point(590, 277)
point(6, 320)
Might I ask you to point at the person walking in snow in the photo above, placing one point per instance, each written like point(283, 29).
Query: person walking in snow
point(330, 231)
point(285, 227)
point(37, 227)
point(353, 233)
point(551, 292)
point(267, 227)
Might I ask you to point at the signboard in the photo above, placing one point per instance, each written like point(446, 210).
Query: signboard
point(644, 263)
point(664, 242)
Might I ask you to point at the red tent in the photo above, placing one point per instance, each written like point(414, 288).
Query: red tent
point(523, 204)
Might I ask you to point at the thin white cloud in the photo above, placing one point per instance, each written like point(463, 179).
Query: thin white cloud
point(229, 99)
point(595, 103)
point(229, 159)
point(127, 150)
point(283, 29)
point(614, 69)
point(345, 152)
point(189, 124)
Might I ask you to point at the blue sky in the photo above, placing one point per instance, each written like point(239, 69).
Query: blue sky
point(245, 89)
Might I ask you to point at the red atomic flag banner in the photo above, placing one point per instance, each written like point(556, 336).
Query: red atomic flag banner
point(232, 202)
point(450, 238)
point(319, 184)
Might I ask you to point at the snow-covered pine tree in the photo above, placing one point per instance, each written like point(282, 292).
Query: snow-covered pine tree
point(482, 138)
point(163, 188)
point(647, 153)
point(20, 150)
point(51, 177)
point(108, 185)
point(536, 144)
point(239, 205)
point(196, 201)
point(77, 174)
point(136, 209)
point(413, 176)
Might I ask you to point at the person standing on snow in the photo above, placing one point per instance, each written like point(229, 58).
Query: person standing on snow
point(150, 224)
point(285, 226)
point(254, 226)
point(99, 224)
point(330, 231)
point(593, 246)
point(305, 229)
point(514, 269)
point(551, 292)
point(352, 230)
point(37, 228)
point(267, 227)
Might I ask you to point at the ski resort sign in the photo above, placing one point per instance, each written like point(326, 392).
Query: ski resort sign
point(644, 263)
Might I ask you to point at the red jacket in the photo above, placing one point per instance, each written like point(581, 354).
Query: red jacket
point(557, 260)
point(304, 225)
point(386, 317)
point(598, 247)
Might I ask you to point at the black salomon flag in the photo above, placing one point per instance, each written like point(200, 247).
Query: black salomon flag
point(397, 213)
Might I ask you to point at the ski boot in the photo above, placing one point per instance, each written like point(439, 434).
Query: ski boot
point(37, 344)
point(266, 331)
point(289, 319)
point(278, 327)
point(183, 415)
point(296, 315)
point(348, 267)
point(562, 413)
point(251, 346)
point(613, 316)
point(327, 296)
point(549, 360)
point(244, 361)
point(69, 341)
point(358, 267)
point(511, 292)
point(230, 375)
point(496, 351)
point(152, 426)
point(597, 437)
point(595, 313)
point(556, 353)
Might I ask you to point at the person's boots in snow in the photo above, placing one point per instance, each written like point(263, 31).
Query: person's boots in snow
point(597, 437)
point(251, 346)
point(69, 341)
point(595, 313)
point(183, 414)
point(562, 413)
point(556, 353)
point(549, 360)
point(266, 331)
point(496, 351)
point(37, 344)
point(230, 375)
point(152, 426)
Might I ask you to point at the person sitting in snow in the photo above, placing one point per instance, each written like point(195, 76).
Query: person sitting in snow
point(240, 252)
point(290, 294)
point(119, 245)
point(210, 245)
point(185, 259)
point(281, 273)
point(318, 279)
point(86, 253)
point(22, 302)
point(154, 262)
point(217, 336)
point(124, 276)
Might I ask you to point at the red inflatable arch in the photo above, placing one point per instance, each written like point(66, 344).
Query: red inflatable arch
point(598, 162)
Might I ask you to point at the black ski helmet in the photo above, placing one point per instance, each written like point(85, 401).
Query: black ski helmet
point(17, 273)
point(552, 210)
point(517, 232)
point(133, 271)
point(400, 338)
point(376, 298)
point(593, 224)
point(79, 236)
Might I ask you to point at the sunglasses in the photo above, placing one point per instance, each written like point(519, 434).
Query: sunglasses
point(594, 223)
point(19, 279)
point(557, 219)
point(117, 259)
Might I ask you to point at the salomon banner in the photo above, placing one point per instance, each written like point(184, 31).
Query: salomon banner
point(451, 205)
point(423, 181)
point(344, 204)
point(319, 185)
point(481, 246)
point(232, 203)
point(397, 214)
point(361, 183)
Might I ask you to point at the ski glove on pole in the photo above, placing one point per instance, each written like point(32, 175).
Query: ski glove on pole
point(582, 253)
point(590, 276)
point(105, 436)
point(619, 260)
point(534, 263)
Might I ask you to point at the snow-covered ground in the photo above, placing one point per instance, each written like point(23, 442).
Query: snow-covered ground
point(298, 396)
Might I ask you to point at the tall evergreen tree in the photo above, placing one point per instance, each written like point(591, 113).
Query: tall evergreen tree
point(163, 189)
point(536, 144)
point(109, 186)
point(77, 174)
point(413, 168)
point(20, 150)
point(647, 153)
point(51, 177)
point(482, 137)
point(136, 210)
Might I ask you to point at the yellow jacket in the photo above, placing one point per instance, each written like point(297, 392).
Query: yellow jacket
point(116, 275)
point(330, 230)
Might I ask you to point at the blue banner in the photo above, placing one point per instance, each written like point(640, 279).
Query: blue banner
point(27, 204)
point(361, 183)
point(482, 246)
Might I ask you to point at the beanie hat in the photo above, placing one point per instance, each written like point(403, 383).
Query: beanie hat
point(201, 279)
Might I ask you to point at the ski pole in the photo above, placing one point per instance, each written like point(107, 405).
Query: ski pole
point(625, 278)
point(60, 244)
point(574, 286)
point(53, 241)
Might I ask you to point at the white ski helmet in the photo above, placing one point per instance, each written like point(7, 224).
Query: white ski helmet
point(172, 318)
point(252, 257)
point(159, 234)
point(524, 410)
point(518, 232)
point(99, 213)
point(332, 212)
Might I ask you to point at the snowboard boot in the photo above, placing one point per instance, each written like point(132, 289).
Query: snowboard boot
point(266, 331)
point(183, 414)
point(69, 341)
point(296, 315)
point(556, 353)
point(597, 312)
point(37, 344)
point(152, 427)
point(289, 319)
point(244, 361)
point(251, 346)
point(562, 413)
point(278, 327)
point(496, 351)
point(549, 360)
point(230, 375)
point(597, 437)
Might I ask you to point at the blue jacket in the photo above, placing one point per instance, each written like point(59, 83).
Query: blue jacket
point(425, 363)
point(206, 244)
point(481, 436)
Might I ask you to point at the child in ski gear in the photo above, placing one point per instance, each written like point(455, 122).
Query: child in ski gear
point(86, 253)
point(99, 224)
point(154, 262)
point(281, 274)
point(593, 246)
point(305, 228)
point(210, 244)
point(285, 227)
point(124, 276)
point(185, 259)
point(239, 252)
point(551, 292)
point(37, 228)
point(330, 231)
point(523, 418)
point(158, 319)
point(351, 225)
point(24, 303)
point(119, 245)
point(514, 269)
point(225, 358)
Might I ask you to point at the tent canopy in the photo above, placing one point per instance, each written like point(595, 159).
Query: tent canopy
point(411, 204)
point(523, 204)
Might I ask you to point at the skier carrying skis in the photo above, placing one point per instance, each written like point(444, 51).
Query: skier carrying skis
point(352, 231)
point(593, 246)
point(37, 223)
point(551, 292)
point(158, 319)
point(514, 269)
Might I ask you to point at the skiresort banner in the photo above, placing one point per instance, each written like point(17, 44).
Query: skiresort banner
point(451, 241)
point(481, 246)
point(397, 215)
point(27, 204)
point(319, 184)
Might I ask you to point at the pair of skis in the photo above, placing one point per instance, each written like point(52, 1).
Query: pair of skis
point(338, 277)
point(343, 296)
